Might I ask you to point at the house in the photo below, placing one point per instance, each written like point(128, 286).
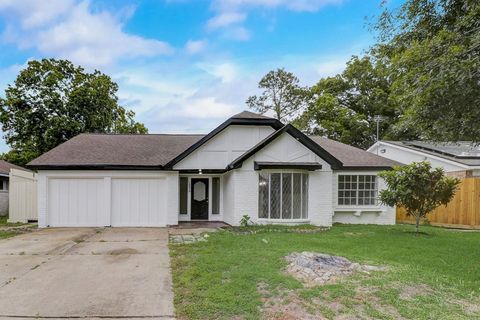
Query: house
point(5, 168)
point(461, 159)
point(249, 165)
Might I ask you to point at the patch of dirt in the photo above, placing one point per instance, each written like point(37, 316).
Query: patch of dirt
point(366, 295)
point(412, 291)
point(117, 252)
point(21, 229)
point(288, 305)
point(316, 268)
point(470, 308)
point(285, 306)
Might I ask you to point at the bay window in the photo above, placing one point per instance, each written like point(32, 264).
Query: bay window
point(283, 195)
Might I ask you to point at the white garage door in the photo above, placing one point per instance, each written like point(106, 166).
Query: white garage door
point(138, 202)
point(76, 203)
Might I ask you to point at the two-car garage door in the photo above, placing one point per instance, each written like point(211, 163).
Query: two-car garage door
point(88, 202)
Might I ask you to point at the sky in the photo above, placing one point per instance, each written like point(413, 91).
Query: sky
point(184, 66)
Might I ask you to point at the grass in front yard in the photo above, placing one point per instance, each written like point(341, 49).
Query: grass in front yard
point(6, 230)
point(433, 276)
point(4, 222)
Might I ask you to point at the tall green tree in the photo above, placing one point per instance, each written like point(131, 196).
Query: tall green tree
point(53, 100)
point(433, 51)
point(344, 107)
point(281, 94)
point(418, 188)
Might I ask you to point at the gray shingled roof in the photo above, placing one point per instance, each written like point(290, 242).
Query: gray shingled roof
point(249, 115)
point(117, 150)
point(159, 149)
point(6, 166)
point(351, 156)
point(463, 152)
point(156, 150)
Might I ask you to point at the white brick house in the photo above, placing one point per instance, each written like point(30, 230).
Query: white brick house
point(249, 165)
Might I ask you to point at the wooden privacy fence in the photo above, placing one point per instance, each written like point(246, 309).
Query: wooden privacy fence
point(462, 212)
point(22, 205)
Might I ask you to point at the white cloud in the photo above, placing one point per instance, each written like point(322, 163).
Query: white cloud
point(230, 14)
point(225, 19)
point(226, 72)
point(295, 5)
point(34, 13)
point(196, 46)
point(237, 33)
point(205, 108)
point(77, 33)
point(332, 66)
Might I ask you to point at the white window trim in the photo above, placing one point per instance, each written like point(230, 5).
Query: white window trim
point(283, 220)
point(364, 207)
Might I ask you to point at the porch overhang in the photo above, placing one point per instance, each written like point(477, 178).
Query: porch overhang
point(310, 166)
point(201, 171)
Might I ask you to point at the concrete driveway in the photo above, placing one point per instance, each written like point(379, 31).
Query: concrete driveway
point(86, 273)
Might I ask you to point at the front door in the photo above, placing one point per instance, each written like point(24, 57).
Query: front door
point(199, 199)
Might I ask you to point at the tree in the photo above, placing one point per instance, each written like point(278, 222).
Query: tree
point(52, 100)
point(417, 188)
point(433, 51)
point(344, 107)
point(327, 117)
point(282, 94)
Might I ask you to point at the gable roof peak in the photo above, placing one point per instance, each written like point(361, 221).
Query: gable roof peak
point(249, 115)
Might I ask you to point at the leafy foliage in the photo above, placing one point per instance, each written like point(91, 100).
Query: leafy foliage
point(52, 100)
point(282, 94)
point(344, 107)
point(417, 188)
point(245, 221)
point(432, 48)
point(422, 77)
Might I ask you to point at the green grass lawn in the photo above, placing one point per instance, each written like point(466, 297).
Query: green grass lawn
point(431, 276)
point(7, 233)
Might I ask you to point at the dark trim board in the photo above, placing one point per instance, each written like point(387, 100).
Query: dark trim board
point(97, 167)
point(364, 168)
point(204, 171)
point(310, 166)
point(274, 123)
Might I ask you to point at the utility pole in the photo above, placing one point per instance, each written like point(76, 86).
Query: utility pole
point(378, 119)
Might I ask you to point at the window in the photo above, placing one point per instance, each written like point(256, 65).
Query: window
point(359, 190)
point(215, 195)
point(282, 195)
point(183, 195)
point(3, 185)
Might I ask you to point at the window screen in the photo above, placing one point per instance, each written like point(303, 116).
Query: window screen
point(183, 195)
point(357, 190)
point(283, 195)
point(215, 195)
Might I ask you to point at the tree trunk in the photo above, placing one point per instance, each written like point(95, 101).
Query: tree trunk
point(417, 222)
point(278, 112)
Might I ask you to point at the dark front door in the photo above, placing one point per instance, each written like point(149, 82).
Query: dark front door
point(199, 199)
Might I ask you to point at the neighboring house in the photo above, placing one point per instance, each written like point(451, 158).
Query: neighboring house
point(249, 165)
point(461, 159)
point(4, 184)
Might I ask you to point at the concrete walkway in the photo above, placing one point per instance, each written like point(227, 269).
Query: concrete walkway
point(86, 273)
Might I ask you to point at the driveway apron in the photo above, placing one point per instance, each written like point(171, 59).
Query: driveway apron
point(86, 273)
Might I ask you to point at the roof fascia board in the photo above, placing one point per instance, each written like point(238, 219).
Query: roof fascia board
point(274, 123)
point(96, 167)
point(310, 166)
point(364, 168)
point(418, 152)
